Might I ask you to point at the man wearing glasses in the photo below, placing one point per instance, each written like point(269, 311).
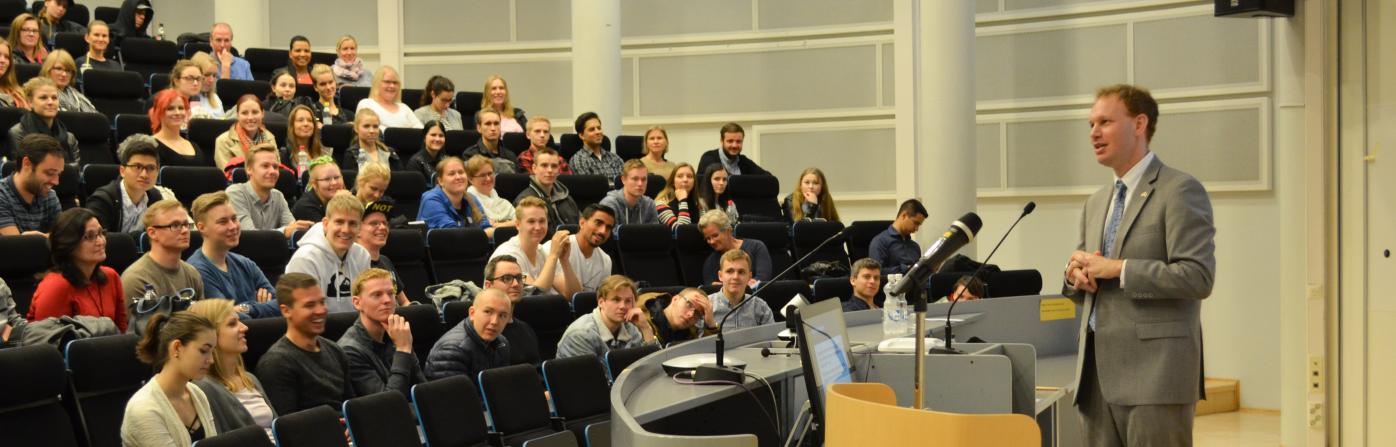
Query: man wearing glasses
point(120, 204)
point(676, 318)
point(325, 180)
point(503, 273)
point(329, 254)
point(167, 227)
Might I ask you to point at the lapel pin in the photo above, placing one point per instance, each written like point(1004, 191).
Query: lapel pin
point(1144, 194)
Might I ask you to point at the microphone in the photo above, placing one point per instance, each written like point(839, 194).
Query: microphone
point(718, 372)
point(961, 232)
point(955, 297)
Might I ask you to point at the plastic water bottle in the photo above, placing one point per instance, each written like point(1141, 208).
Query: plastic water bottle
point(160, 32)
point(149, 295)
point(894, 317)
point(325, 117)
point(302, 161)
point(731, 211)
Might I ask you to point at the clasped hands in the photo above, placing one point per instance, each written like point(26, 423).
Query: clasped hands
point(1084, 269)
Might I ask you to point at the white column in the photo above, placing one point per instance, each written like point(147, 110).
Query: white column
point(390, 34)
point(596, 61)
point(935, 121)
point(249, 21)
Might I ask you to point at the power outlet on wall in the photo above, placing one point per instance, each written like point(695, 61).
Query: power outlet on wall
point(1315, 375)
point(1315, 414)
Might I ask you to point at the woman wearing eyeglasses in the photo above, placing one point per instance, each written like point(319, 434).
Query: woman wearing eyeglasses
point(24, 40)
point(481, 173)
point(78, 284)
point(63, 71)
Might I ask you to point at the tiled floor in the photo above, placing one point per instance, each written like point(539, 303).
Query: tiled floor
point(1243, 428)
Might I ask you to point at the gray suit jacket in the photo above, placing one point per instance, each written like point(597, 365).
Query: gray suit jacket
point(1148, 337)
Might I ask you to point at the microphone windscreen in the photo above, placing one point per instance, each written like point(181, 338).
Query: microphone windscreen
point(972, 222)
point(1028, 209)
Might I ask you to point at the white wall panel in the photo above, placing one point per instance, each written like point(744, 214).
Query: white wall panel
point(543, 20)
point(1013, 5)
point(455, 21)
point(641, 18)
point(1051, 154)
point(1198, 51)
point(1214, 146)
point(1052, 63)
point(783, 80)
point(849, 157)
point(774, 14)
point(322, 22)
point(889, 76)
point(989, 145)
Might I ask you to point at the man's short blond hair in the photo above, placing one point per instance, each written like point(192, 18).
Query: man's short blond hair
point(734, 255)
point(528, 202)
point(158, 208)
point(344, 202)
point(371, 274)
point(206, 202)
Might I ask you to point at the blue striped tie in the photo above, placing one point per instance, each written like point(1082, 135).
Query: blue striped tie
point(1117, 213)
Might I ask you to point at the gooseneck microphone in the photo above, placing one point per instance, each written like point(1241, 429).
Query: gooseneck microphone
point(718, 372)
point(961, 232)
point(954, 297)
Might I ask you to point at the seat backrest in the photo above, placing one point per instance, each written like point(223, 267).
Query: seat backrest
point(654, 184)
point(458, 140)
point(267, 248)
point(583, 303)
point(549, 316)
point(514, 141)
point(860, 235)
point(409, 255)
point(249, 436)
point(104, 13)
point(204, 132)
point(806, 235)
point(189, 182)
point(9, 9)
point(315, 427)
point(349, 96)
point(598, 434)
point(1013, 283)
point(115, 92)
point(97, 175)
point(261, 334)
point(755, 197)
point(412, 97)
point(380, 419)
point(263, 61)
point(25, 72)
point(508, 186)
point(646, 252)
point(9, 116)
point(128, 124)
point(74, 43)
point(578, 386)
point(426, 327)
point(692, 251)
point(406, 188)
point(122, 251)
point(105, 373)
point(229, 90)
point(514, 398)
point(777, 293)
point(337, 136)
point(585, 189)
point(830, 288)
point(459, 253)
point(30, 409)
point(776, 236)
point(19, 271)
point(467, 103)
point(189, 49)
point(630, 147)
point(454, 312)
point(148, 56)
point(337, 323)
point(158, 82)
point(406, 141)
point(93, 132)
point(449, 411)
point(619, 359)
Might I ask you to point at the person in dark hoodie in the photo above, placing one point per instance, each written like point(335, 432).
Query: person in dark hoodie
point(543, 184)
point(134, 190)
point(133, 20)
point(52, 20)
point(43, 118)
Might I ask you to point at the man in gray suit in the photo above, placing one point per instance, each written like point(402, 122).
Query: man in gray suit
point(1141, 270)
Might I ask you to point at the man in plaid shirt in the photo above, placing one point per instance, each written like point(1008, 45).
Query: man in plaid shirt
point(28, 204)
point(593, 159)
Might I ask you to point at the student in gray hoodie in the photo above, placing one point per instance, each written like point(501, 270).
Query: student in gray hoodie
point(631, 204)
point(329, 254)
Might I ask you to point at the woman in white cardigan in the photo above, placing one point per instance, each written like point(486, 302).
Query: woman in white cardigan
point(170, 410)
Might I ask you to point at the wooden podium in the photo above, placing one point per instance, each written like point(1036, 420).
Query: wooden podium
point(861, 414)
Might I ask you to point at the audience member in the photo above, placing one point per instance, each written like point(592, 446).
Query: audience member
point(712, 191)
point(678, 203)
point(118, 205)
point(303, 370)
point(729, 156)
point(630, 202)
point(187, 78)
point(229, 66)
point(496, 98)
point(593, 159)
point(133, 20)
point(503, 273)
point(348, 68)
point(448, 205)
point(98, 39)
point(379, 344)
point(226, 274)
point(477, 343)
point(894, 248)
point(811, 199)
point(59, 67)
point(257, 203)
point(436, 103)
point(328, 253)
point(206, 104)
point(616, 323)
point(28, 204)
point(248, 131)
point(323, 182)
point(170, 410)
point(373, 236)
point(540, 136)
point(498, 210)
point(327, 108)
point(11, 94)
point(656, 146)
point(25, 41)
point(52, 20)
point(161, 267)
point(591, 264)
point(736, 277)
point(283, 94)
point(678, 318)
point(303, 135)
point(866, 280)
point(298, 60)
point(78, 284)
point(235, 396)
point(489, 146)
point(717, 231)
point(385, 99)
point(433, 141)
point(543, 184)
point(42, 118)
point(169, 112)
point(366, 148)
point(545, 270)
point(372, 183)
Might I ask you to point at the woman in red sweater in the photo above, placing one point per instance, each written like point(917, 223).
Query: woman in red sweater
point(78, 283)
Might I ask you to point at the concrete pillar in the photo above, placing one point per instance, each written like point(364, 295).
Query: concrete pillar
point(596, 63)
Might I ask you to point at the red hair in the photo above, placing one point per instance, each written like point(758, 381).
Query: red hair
point(160, 102)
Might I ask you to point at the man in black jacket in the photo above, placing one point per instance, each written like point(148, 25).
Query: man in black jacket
point(730, 154)
point(120, 204)
point(476, 343)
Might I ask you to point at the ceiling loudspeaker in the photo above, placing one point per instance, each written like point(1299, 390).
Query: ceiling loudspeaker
point(1254, 8)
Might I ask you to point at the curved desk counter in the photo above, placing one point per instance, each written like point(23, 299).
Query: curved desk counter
point(650, 408)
